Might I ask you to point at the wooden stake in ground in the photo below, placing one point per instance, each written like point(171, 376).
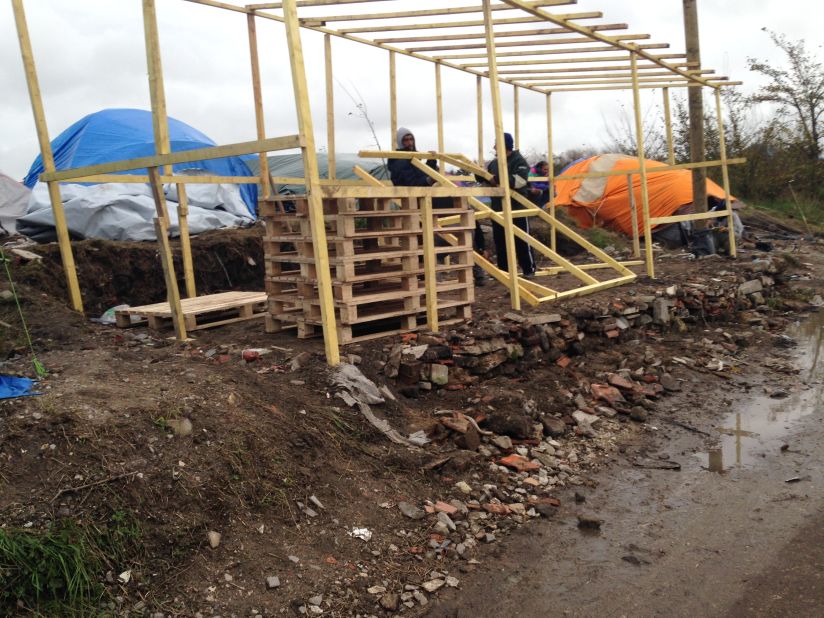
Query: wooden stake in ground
point(696, 108)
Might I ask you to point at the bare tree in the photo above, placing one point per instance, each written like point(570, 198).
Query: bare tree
point(797, 90)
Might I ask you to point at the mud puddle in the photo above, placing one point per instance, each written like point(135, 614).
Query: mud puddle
point(763, 422)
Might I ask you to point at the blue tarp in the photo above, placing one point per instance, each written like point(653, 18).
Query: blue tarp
point(117, 134)
point(12, 386)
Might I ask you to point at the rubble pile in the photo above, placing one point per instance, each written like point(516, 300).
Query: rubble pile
point(514, 342)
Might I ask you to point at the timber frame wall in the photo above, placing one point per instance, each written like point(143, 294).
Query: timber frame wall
point(526, 45)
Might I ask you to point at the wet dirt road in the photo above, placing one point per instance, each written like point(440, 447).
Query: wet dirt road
point(738, 531)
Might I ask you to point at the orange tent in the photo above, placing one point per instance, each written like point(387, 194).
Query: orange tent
point(605, 201)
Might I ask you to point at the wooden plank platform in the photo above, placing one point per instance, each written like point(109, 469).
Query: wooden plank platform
point(201, 312)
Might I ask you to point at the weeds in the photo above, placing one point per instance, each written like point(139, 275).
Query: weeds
point(58, 571)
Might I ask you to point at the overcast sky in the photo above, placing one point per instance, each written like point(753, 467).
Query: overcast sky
point(90, 56)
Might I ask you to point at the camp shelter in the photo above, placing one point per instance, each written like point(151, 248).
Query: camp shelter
point(288, 173)
point(605, 201)
point(14, 197)
point(117, 134)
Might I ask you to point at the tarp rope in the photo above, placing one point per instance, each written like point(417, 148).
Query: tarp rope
point(39, 369)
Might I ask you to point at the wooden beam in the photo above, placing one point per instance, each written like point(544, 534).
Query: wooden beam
point(725, 173)
point(639, 142)
point(633, 210)
point(183, 156)
point(465, 24)
point(161, 224)
point(550, 159)
point(157, 93)
point(185, 241)
point(668, 126)
point(439, 110)
point(695, 216)
point(301, 3)
point(257, 93)
point(457, 10)
point(429, 264)
point(64, 242)
point(550, 52)
point(527, 43)
point(641, 86)
point(597, 36)
point(330, 108)
point(402, 192)
point(498, 35)
point(503, 168)
point(313, 187)
point(393, 100)
point(549, 61)
point(517, 116)
point(183, 178)
point(577, 69)
point(479, 96)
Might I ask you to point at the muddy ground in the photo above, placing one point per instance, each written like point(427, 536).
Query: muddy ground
point(285, 471)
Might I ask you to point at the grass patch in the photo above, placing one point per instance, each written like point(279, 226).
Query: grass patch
point(58, 571)
point(795, 211)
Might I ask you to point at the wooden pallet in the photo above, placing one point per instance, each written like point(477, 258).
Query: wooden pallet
point(201, 312)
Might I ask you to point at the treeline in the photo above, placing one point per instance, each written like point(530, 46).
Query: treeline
point(778, 130)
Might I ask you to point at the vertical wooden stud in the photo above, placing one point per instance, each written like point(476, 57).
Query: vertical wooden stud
point(185, 241)
point(162, 231)
point(517, 115)
point(633, 210)
point(439, 105)
point(668, 124)
point(642, 164)
point(254, 57)
point(429, 264)
point(725, 172)
point(157, 91)
point(393, 101)
point(64, 242)
point(480, 104)
point(500, 148)
point(330, 108)
point(551, 176)
point(313, 189)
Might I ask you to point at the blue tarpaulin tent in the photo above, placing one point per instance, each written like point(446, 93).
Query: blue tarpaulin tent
point(117, 134)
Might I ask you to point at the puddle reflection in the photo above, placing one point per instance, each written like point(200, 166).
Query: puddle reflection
point(763, 419)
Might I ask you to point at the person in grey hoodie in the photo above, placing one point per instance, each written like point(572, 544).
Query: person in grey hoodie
point(404, 174)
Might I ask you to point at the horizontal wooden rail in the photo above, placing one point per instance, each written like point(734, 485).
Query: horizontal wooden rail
point(658, 169)
point(690, 217)
point(186, 156)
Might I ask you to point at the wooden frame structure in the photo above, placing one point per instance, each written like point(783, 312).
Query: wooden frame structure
point(526, 45)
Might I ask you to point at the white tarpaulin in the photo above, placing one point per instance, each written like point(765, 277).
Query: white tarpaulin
point(116, 211)
point(14, 198)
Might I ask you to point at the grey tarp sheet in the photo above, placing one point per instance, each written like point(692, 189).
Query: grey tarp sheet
point(117, 211)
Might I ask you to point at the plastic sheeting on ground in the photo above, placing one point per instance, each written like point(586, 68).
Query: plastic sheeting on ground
point(13, 386)
point(115, 211)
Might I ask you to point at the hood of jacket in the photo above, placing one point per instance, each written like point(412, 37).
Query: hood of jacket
point(402, 132)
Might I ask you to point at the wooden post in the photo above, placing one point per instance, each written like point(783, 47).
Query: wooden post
point(330, 108)
point(642, 164)
point(439, 106)
point(157, 91)
point(725, 169)
point(668, 123)
point(162, 231)
point(633, 209)
point(551, 176)
point(185, 241)
point(429, 264)
point(393, 101)
point(696, 108)
point(500, 148)
point(480, 103)
point(64, 242)
point(265, 180)
point(313, 188)
point(517, 114)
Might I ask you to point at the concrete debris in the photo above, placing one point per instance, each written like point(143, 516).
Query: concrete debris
point(411, 511)
point(214, 539)
point(272, 582)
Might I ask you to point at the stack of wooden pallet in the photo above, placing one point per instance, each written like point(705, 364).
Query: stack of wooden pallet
point(377, 265)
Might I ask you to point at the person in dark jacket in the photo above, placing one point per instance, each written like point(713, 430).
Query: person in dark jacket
point(401, 171)
point(404, 174)
point(518, 182)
